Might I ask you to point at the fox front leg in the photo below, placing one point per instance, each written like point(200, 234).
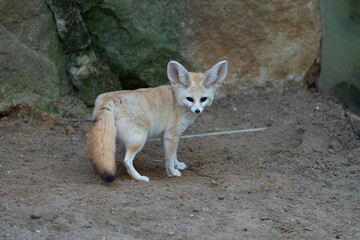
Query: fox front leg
point(178, 165)
point(170, 146)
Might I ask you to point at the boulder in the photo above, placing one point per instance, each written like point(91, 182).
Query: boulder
point(32, 64)
point(268, 44)
point(137, 39)
point(110, 45)
point(91, 76)
point(69, 24)
point(340, 65)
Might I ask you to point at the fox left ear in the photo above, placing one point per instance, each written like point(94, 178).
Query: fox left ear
point(215, 76)
point(177, 74)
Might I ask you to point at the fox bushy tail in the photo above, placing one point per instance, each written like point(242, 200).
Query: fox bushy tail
point(101, 143)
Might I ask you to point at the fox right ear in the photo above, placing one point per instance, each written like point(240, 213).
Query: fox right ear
point(177, 74)
point(216, 75)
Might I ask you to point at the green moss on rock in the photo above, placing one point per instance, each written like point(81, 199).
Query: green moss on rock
point(90, 77)
point(33, 67)
point(340, 60)
point(69, 24)
point(349, 94)
point(136, 40)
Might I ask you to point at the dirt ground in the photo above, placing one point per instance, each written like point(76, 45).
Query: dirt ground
point(298, 179)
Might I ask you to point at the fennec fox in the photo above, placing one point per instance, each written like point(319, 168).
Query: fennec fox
point(137, 115)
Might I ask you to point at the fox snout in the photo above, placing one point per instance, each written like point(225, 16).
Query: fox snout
point(197, 109)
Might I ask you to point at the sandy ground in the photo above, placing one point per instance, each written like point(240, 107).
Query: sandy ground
point(298, 179)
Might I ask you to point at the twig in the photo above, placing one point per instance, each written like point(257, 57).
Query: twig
point(218, 133)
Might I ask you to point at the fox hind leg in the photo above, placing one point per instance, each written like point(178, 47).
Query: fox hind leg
point(131, 150)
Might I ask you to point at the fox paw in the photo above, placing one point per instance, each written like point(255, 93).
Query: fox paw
point(174, 173)
point(143, 178)
point(180, 165)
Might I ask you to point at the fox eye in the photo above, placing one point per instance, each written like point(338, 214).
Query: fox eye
point(190, 99)
point(203, 99)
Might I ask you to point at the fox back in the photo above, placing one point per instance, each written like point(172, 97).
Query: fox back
point(137, 115)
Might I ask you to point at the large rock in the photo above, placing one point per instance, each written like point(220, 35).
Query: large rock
point(69, 24)
point(340, 66)
point(137, 39)
point(91, 76)
point(112, 45)
point(269, 44)
point(32, 65)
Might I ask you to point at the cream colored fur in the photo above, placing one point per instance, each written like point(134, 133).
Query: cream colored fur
point(135, 116)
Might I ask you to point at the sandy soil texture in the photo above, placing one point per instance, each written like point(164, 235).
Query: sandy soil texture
point(298, 179)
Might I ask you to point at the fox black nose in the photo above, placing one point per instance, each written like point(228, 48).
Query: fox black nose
point(197, 110)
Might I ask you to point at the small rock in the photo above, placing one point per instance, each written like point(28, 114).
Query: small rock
point(221, 197)
point(196, 210)
point(35, 215)
point(269, 123)
point(245, 229)
point(171, 233)
point(47, 118)
point(69, 130)
point(263, 218)
point(214, 182)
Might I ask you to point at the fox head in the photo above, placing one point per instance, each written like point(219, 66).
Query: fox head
point(196, 90)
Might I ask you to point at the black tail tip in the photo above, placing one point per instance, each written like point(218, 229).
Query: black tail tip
point(108, 177)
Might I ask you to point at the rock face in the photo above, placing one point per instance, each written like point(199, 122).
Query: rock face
point(111, 45)
point(90, 75)
point(340, 66)
point(32, 64)
point(88, 71)
point(137, 40)
point(267, 43)
point(69, 24)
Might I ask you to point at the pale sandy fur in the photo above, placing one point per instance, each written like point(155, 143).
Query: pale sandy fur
point(133, 117)
point(137, 115)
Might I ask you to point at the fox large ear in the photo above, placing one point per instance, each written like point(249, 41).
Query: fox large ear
point(215, 76)
point(177, 74)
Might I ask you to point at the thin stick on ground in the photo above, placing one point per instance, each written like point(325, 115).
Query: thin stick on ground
point(218, 133)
